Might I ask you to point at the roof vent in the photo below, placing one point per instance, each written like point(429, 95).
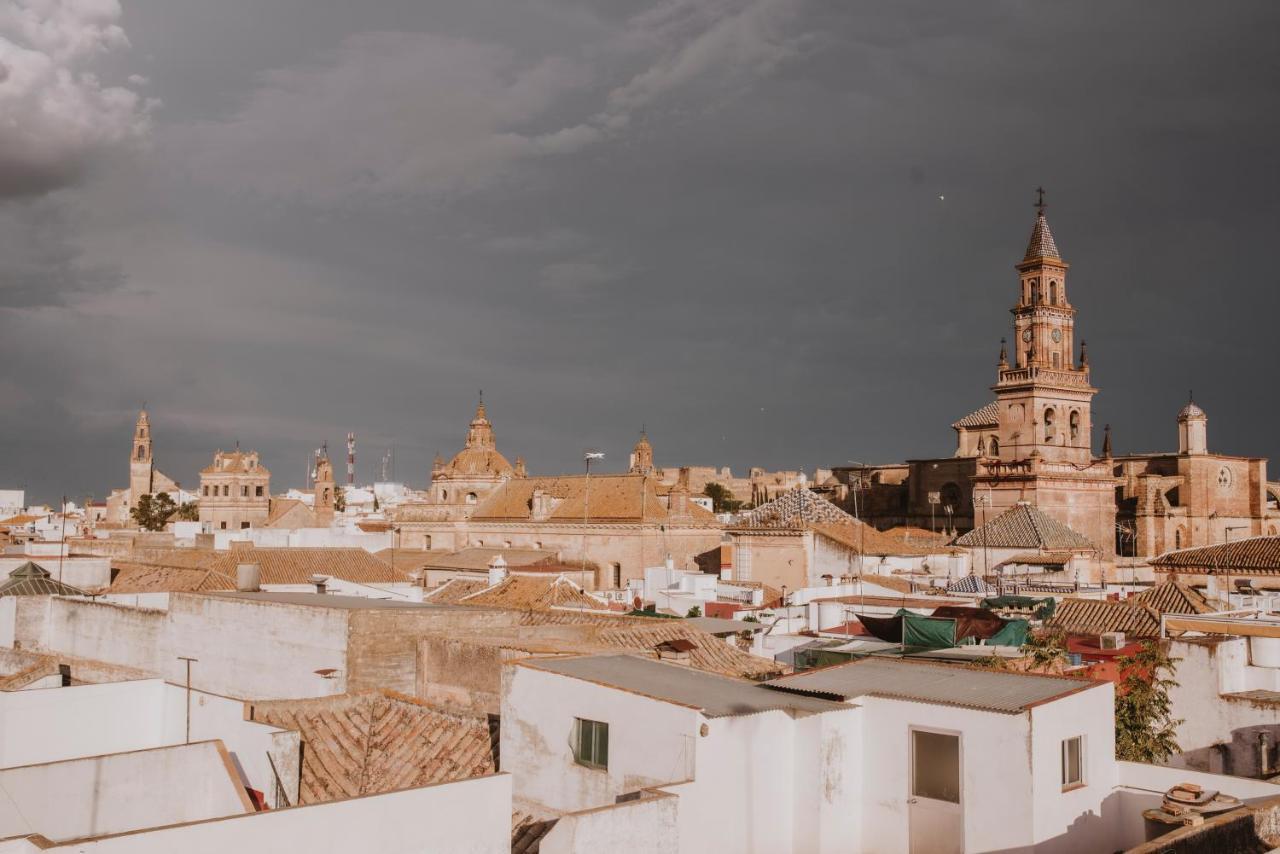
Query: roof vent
point(321, 582)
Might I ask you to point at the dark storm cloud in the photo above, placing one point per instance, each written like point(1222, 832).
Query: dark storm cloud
point(779, 233)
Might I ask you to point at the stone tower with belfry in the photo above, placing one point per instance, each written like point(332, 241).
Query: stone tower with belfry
point(141, 464)
point(1041, 450)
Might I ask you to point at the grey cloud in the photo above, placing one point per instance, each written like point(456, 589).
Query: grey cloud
point(40, 263)
point(58, 116)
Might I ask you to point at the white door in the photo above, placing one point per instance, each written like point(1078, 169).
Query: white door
point(934, 810)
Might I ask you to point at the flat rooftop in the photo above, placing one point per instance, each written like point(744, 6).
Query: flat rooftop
point(715, 696)
point(330, 600)
point(720, 626)
point(924, 682)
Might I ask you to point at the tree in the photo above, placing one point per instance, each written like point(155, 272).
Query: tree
point(1047, 651)
point(695, 611)
point(152, 512)
point(189, 512)
point(722, 500)
point(339, 499)
point(1146, 730)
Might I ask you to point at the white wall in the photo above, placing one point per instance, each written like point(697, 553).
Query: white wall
point(259, 650)
point(327, 537)
point(81, 572)
point(650, 742)
point(119, 793)
point(466, 817)
point(645, 826)
point(55, 724)
point(1080, 812)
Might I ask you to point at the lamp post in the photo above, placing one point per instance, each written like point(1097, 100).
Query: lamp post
point(188, 660)
point(587, 456)
point(862, 537)
point(982, 501)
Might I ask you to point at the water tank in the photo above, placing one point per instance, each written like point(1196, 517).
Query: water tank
point(248, 578)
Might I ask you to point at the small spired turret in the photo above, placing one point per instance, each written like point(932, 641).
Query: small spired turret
point(642, 455)
point(1193, 429)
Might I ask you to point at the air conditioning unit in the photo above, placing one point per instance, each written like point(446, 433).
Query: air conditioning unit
point(1111, 640)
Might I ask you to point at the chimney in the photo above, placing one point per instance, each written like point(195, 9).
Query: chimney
point(497, 570)
point(248, 578)
point(321, 582)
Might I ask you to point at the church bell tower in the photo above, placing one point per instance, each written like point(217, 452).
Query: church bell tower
point(1044, 396)
point(141, 465)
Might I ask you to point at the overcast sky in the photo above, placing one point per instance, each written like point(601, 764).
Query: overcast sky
point(776, 232)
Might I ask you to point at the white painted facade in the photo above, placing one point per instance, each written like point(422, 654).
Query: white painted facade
point(832, 782)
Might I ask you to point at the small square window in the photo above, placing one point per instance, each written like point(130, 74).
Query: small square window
point(591, 743)
point(1073, 762)
point(244, 492)
point(258, 492)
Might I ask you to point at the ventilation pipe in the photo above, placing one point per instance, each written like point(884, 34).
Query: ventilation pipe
point(1264, 754)
point(497, 570)
point(248, 578)
point(321, 582)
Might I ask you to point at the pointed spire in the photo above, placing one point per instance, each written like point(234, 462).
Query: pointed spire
point(1041, 244)
point(1106, 442)
point(1084, 353)
point(480, 413)
point(1004, 354)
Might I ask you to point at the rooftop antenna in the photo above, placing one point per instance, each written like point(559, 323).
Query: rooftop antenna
point(351, 459)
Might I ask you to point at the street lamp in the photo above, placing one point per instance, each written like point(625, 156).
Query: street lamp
point(982, 501)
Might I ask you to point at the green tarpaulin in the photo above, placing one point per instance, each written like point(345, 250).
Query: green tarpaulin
point(1014, 633)
point(1044, 608)
point(928, 632)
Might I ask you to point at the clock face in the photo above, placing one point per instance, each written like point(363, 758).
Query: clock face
point(1057, 335)
point(1026, 335)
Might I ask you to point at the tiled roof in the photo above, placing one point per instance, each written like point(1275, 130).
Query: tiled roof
point(536, 594)
point(31, 579)
point(143, 578)
point(1254, 555)
point(867, 540)
point(235, 462)
point(798, 507)
point(364, 744)
point(711, 653)
point(297, 565)
point(405, 560)
point(478, 558)
point(1097, 616)
point(1041, 244)
point(527, 831)
point(612, 498)
point(181, 558)
point(454, 590)
point(987, 416)
point(1025, 527)
point(970, 584)
point(1174, 597)
point(282, 507)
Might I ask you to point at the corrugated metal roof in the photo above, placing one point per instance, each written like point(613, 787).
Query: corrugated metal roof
point(944, 684)
point(716, 696)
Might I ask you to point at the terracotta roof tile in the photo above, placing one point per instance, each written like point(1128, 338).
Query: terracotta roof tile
point(1174, 597)
point(1025, 527)
point(526, 593)
point(1041, 244)
point(987, 416)
point(144, 578)
point(1259, 555)
point(380, 741)
point(454, 590)
point(1097, 616)
point(297, 565)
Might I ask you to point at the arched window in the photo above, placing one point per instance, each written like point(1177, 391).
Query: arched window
point(1075, 424)
point(1035, 291)
point(1049, 416)
point(142, 452)
point(471, 498)
point(1177, 539)
point(444, 495)
point(426, 541)
point(1053, 293)
point(993, 447)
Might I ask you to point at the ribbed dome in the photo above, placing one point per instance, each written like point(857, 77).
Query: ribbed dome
point(1191, 411)
point(479, 461)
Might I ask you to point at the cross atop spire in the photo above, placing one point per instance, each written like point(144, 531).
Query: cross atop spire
point(1041, 244)
point(1040, 203)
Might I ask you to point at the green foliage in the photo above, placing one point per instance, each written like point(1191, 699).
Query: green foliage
point(1146, 730)
point(153, 511)
point(991, 662)
point(189, 512)
point(695, 611)
point(1048, 651)
point(722, 500)
point(750, 618)
point(650, 611)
